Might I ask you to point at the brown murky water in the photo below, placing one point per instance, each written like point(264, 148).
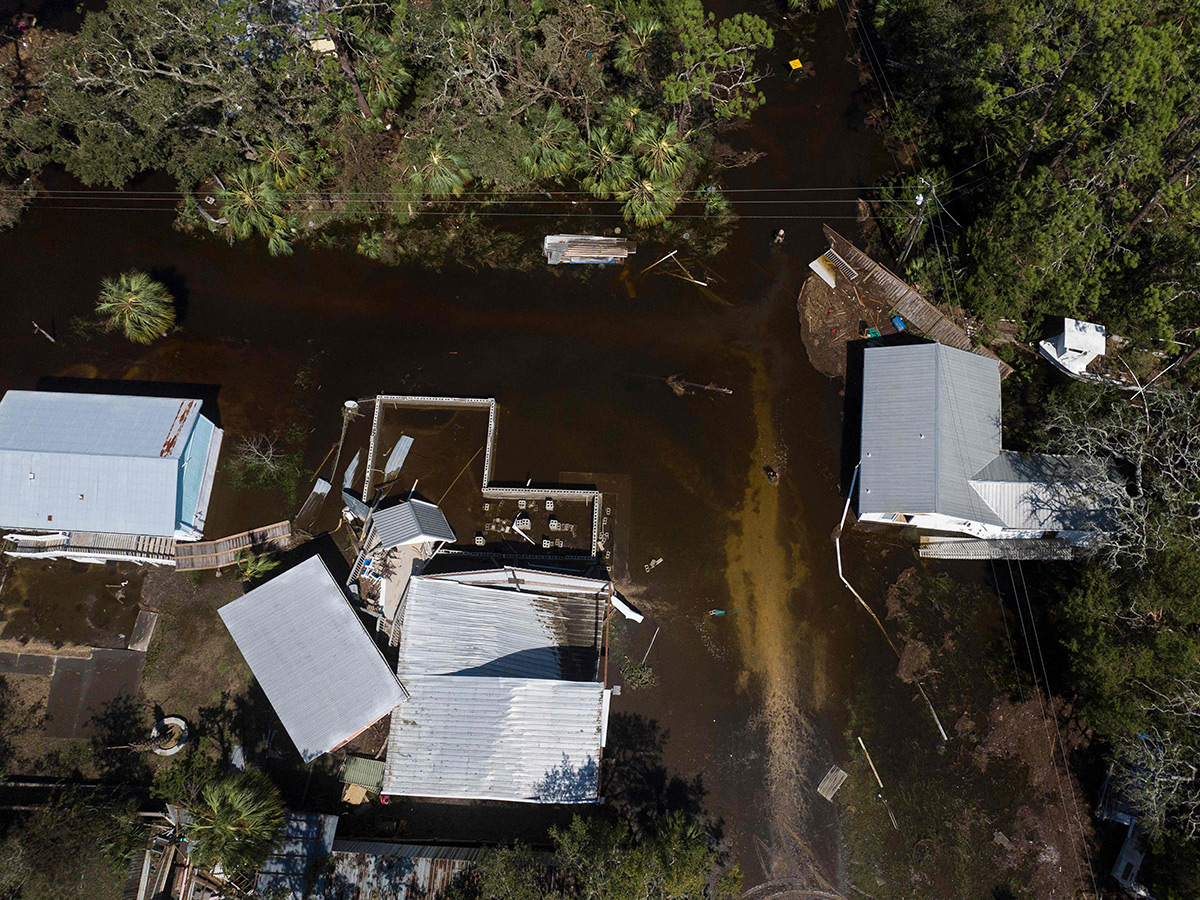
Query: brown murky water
point(752, 699)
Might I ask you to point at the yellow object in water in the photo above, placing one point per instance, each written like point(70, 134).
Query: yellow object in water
point(796, 64)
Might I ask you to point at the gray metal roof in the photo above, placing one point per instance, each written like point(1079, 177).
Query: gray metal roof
point(93, 462)
point(1040, 492)
point(451, 628)
point(930, 421)
point(502, 698)
point(412, 522)
point(524, 739)
point(315, 661)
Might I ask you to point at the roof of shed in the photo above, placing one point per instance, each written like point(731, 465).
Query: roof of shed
point(315, 661)
point(1041, 492)
point(411, 522)
point(92, 462)
point(930, 421)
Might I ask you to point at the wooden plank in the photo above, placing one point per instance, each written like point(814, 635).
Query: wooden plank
point(881, 284)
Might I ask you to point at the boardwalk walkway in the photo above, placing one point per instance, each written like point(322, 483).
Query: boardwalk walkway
point(96, 545)
point(214, 554)
point(876, 282)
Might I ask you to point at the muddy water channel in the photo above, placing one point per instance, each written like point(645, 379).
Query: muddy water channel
point(752, 701)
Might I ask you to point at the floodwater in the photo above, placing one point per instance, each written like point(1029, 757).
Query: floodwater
point(753, 700)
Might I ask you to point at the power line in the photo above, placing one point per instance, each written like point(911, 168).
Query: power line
point(417, 195)
point(1046, 721)
point(540, 215)
point(1061, 748)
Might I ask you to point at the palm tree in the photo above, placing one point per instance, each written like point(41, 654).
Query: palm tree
point(442, 173)
point(648, 202)
point(386, 78)
point(555, 146)
point(662, 152)
point(136, 305)
point(633, 45)
point(286, 162)
point(622, 115)
point(252, 204)
point(605, 168)
point(251, 565)
point(237, 822)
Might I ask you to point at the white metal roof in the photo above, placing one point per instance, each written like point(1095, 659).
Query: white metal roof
point(315, 661)
point(523, 739)
point(1087, 337)
point(93, 462)
point(502, 698)
point(1041, 492)
point(451, 628)
point(411, 522)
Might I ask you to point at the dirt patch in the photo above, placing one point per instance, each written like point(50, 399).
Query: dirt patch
point(192, 661)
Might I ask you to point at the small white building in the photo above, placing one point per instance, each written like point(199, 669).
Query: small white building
point(1075, 346)
point(931, 455)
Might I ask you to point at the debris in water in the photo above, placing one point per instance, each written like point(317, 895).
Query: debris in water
point(682, 387)
point(772, 475)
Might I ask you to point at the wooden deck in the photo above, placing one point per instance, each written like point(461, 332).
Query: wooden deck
point(876, 282)
point(102, 544)
point(214, 554)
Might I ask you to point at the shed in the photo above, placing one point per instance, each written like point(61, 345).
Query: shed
point(315, 661)
point(106, 463)
point(411, 522)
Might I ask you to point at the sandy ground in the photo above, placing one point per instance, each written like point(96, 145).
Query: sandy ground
point(763, 577)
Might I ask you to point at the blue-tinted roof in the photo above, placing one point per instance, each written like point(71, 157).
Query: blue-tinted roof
point(94, 462)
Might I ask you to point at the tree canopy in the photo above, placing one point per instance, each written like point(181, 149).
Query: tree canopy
point(597, 859)
point(1060, 146)
point(300, 119)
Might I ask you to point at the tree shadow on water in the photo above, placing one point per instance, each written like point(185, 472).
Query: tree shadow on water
point(634, 779)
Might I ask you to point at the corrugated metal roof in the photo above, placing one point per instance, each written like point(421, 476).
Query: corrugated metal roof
point(412, 522)
point(930, 421)
point(1041, 492)
point(394, 871)
point(497, 738)
point(364, 771)
point(121, 453)
point(450, 628)
point(501, 701)
point(315, 661)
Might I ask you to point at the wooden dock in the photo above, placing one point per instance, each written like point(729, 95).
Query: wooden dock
point(214, 554)
point(875, 281)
